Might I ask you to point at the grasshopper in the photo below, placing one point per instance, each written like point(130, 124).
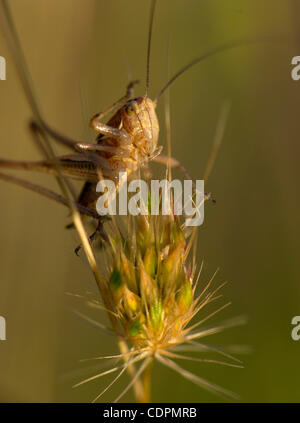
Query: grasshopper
point(127, 142)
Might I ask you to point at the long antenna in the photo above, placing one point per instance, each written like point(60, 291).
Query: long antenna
point(153, 4)
point(213, 52)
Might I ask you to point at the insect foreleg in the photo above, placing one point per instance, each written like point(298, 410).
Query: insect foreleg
point(104, 129)
point(121, 151)
point(174, 163)
point(119, 103)
point(108, 130)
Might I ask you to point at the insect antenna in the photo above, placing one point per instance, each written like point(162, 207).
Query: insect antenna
point(206, 55)
point(152, 10)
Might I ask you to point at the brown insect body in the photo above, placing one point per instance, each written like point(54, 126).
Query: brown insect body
point(138, 119)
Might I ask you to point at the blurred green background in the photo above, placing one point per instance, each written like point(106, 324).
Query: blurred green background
point(81, 54)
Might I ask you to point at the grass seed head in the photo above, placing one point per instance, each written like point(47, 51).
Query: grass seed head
point(149, 284)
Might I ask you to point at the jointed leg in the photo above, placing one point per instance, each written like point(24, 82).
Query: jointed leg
point(174, 163)
point(48, 193)
point(60, 199)
point(43, 127)
point(38, 134)
point(116, 151)
point(99, 231)
point(108, 130)
point(119, 103)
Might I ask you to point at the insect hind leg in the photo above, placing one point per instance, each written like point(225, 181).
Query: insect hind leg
point(87, 198)
point(99, 233)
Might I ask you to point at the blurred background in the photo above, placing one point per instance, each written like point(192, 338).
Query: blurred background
point(81, 54)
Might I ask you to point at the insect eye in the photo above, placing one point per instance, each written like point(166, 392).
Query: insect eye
point(129, 110)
